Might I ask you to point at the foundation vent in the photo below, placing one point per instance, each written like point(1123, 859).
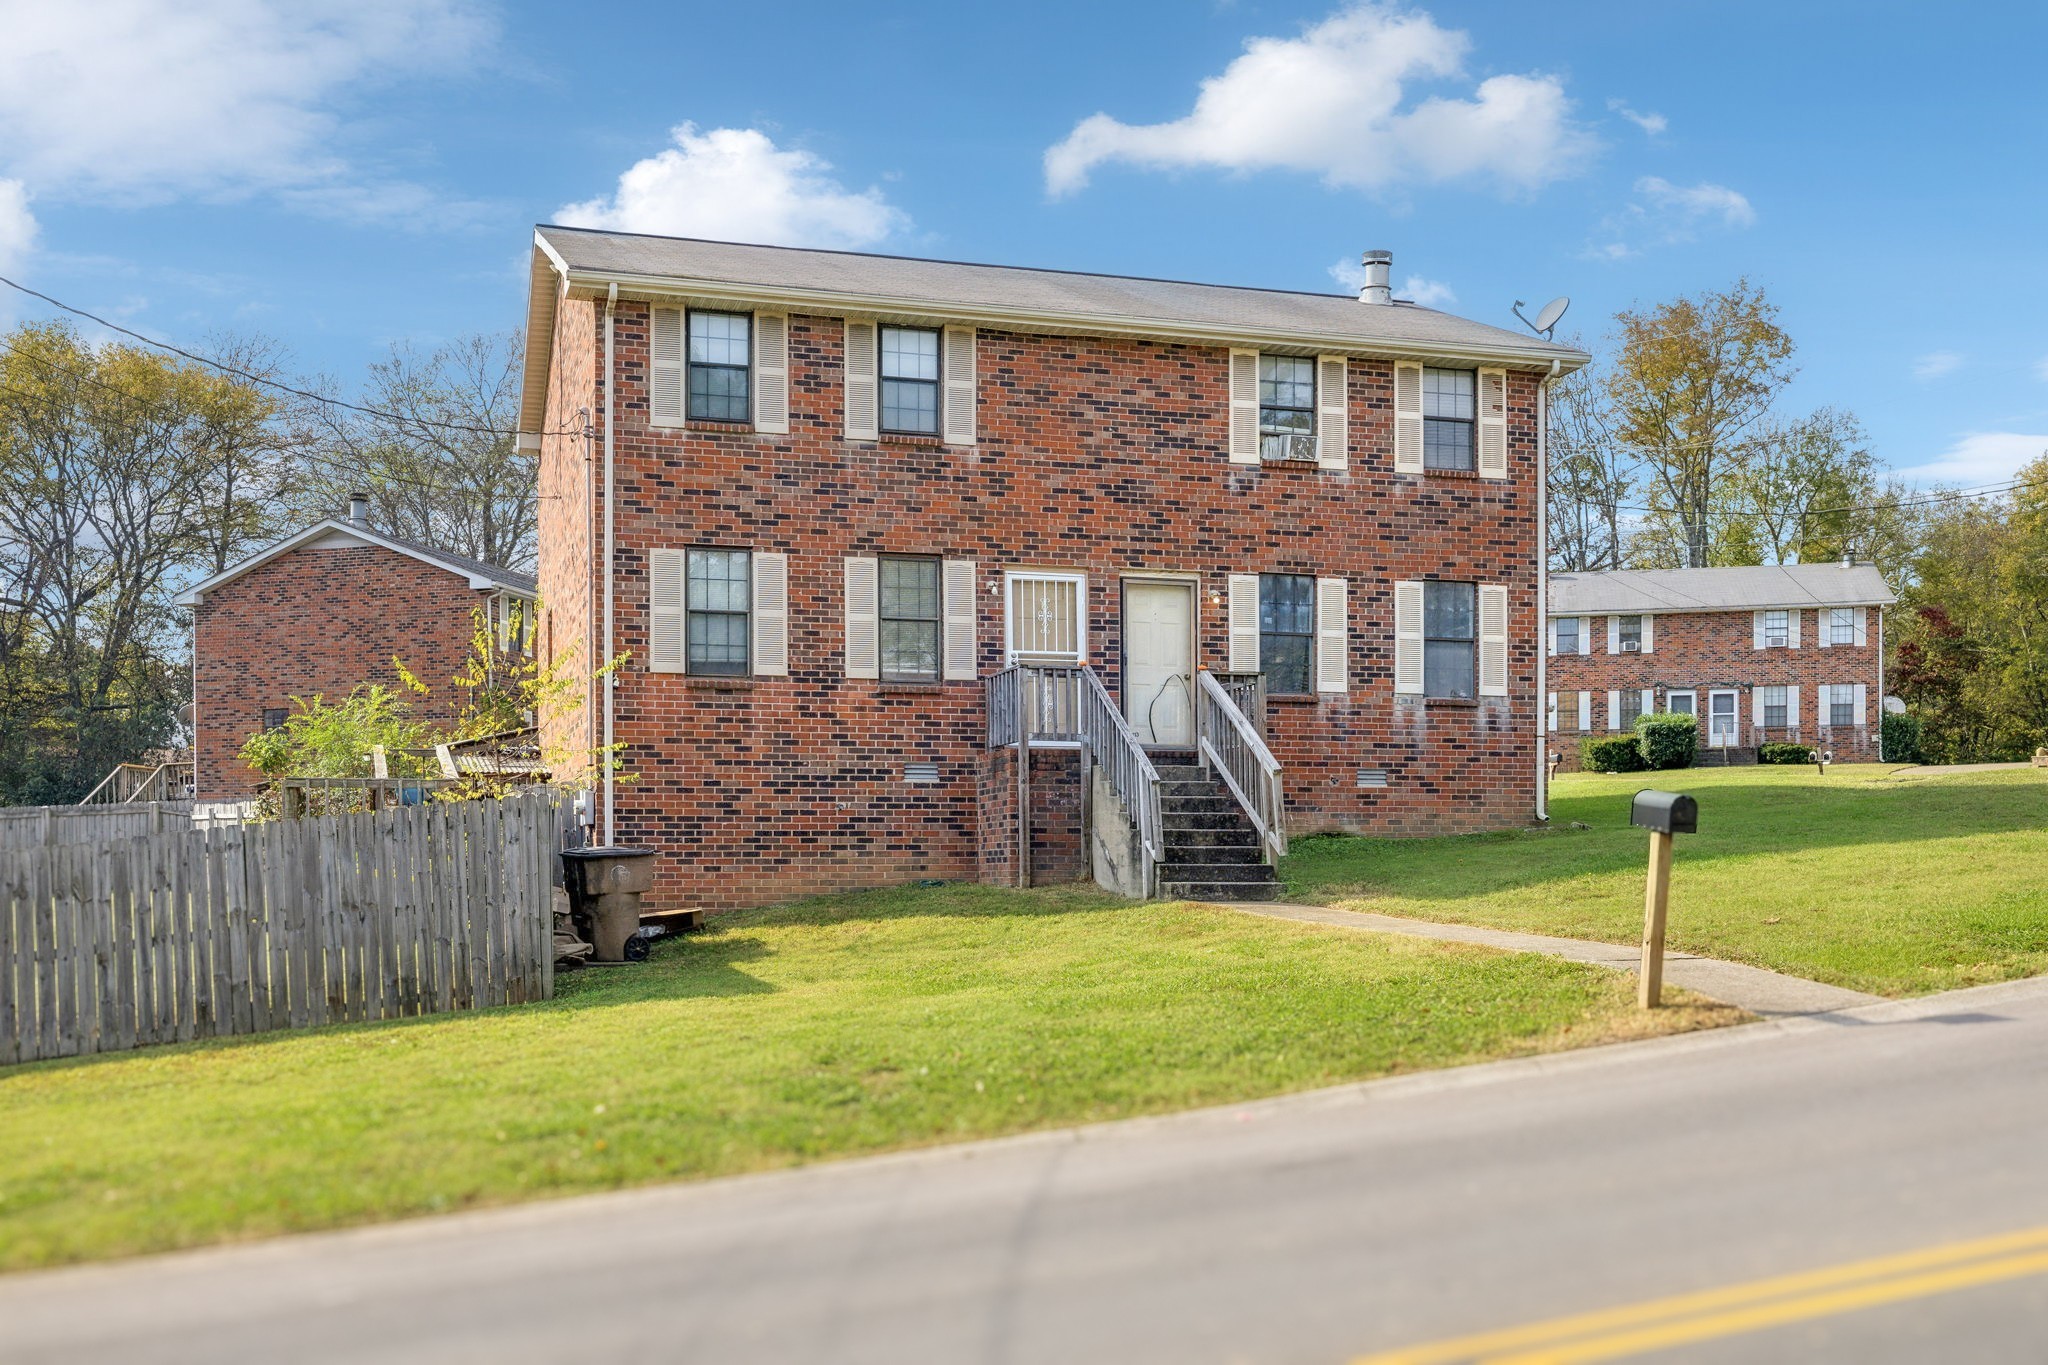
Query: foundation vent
point(921, 774)
point(1372, 777)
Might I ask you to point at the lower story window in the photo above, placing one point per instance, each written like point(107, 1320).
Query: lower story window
point(274, 717)
point(1287, 617)
point(1450, 635)
point(1841, 709)
point(909, 612)
point(1631, 707)
point(1775, 708)
point(717, 594)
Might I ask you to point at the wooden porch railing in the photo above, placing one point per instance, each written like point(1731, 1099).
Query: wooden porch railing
point(1248, 692)
point(1231, 744)
point(143, 782)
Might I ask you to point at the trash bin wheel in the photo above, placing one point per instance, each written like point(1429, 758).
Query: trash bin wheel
point(636, 949)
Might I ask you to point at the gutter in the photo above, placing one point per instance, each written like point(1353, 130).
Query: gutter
point(1543, 589)
point(611, 680)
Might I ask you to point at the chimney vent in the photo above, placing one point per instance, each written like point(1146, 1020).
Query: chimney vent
point(1379, 278)
point(359, 509)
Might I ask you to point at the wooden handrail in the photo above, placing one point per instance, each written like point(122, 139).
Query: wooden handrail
point(1230, 743)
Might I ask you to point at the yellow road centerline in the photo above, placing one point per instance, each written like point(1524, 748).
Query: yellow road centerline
point(1718, 1301)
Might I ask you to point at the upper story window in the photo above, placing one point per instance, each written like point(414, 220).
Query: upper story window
point(1630, 631)
point(1775, 708)
point(717, 597)
point(1287, 629)
point(908, 610)
point(1448, 417)
point(1841, 625)
point(1450, 639)
point(1287, 408)
point(1777, 629)
point(721, 358)
point(910, 381)
point(1567, 634)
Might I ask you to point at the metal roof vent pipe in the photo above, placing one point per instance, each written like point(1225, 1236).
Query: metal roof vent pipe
point(1379, 278)
point(359, 509)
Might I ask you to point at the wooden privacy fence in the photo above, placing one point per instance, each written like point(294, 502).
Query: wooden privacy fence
point(30, 826)
point(287, 924)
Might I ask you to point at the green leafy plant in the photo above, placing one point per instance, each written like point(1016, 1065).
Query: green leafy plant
point(1610, 754)
point(1782, 751)
point(1670, 740)
point(1899, 739)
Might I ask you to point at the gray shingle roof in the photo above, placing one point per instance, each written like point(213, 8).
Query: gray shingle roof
point(510, 578)
point(1108, 300)
point(1634, 591)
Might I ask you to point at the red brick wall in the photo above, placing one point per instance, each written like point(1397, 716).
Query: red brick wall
point(1094, 454)
point(575, 378)
point(1710, 651)
point(318, 621)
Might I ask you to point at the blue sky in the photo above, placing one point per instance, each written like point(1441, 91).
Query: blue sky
point(340, 174)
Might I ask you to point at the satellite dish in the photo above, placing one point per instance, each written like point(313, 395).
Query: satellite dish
point(1552, 313)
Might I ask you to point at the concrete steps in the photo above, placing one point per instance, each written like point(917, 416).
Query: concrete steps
point(1212, 851)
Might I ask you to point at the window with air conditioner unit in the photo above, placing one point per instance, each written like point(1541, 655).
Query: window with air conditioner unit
point(1631, 634)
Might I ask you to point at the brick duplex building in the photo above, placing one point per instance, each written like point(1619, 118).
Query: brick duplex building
point(1786, 652)
point(826, 503)
point(321, 612)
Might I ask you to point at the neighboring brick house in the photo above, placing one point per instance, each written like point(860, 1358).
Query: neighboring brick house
point(321, 612)
point(851, 491)
point(1778, 652)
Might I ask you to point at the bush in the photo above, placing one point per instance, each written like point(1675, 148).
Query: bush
point(1610, 754)
point(1667, 741)
point(1898, 739)
point(1784, 752)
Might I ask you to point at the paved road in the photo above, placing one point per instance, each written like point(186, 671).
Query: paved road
point(1316, 1228)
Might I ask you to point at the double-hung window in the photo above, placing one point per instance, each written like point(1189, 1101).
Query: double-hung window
point(274, 717)
point(1567, 634)
point(1630, 632)
point(1631, 700)
point(908, 612)
point(1450, 639)
point(717, 596)
point(1448, 419)
point(721, 359)
point(1287, 408)
point(1777, 629)
point(1842, 625)
point(910, 381)
point(1775, 708)
point(1287, 628)
point(1842, 706)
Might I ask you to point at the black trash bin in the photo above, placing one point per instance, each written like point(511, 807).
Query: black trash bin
point(604, 886)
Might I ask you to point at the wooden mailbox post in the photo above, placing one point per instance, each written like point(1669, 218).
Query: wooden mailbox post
point(1663, 814)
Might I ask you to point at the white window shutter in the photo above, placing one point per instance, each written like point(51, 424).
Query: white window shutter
point(1614, 709)
point(1550, 711)
point(1333, 635)
point(1649, 701)
point(1824, 619)
point(1649, 634)
point(665, 368)
point(665, 611)
point(771, 614)
point(1244, 407)
point(1614, 635)
point(1861, 696)
point(863, 407)
point(1862, 626)
point(960, 386)
point(1585, 712)
point(1756, 628)
point(1824, 698)
point(1493, 640)
point(1792, 707)
point(1792, 619)
point(1244, 623)
point(1408, 663)
point(1333, 410)
point(962, 642)
point(1407, 418)
point(863, 647)
point(771, 373)
point(1585, 635)
point(1756, 705)
point(1493, 424)
point(1551, 647)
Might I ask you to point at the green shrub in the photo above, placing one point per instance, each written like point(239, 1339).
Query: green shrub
point(1783, 752)
point(1898, 739)
point(1667, 741)
point(1610, 754)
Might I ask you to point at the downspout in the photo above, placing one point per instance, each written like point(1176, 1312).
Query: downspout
point(1543, 590)
point(1880, 683)
point(611, 681)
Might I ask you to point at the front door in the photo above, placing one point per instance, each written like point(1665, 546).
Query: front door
point(1721, 724)
point(1159, 646)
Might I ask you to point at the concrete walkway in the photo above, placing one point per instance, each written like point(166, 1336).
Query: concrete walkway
point(1768, 993)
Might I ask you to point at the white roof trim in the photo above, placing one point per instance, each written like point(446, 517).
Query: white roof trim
point(319, 530)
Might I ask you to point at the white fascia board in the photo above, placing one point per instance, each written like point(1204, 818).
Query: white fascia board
point(191, 596)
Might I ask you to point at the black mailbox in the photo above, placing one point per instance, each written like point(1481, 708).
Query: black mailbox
point(1665, 813)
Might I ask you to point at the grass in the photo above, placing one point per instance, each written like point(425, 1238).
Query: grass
point(842, 1026)
point(1892, 885)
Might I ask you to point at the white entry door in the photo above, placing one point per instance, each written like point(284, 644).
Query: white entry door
point(1159, 646)
point(1722, 728)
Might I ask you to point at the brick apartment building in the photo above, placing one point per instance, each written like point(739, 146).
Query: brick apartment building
point(824, 502)
point(1786, 652)
point(321, 612)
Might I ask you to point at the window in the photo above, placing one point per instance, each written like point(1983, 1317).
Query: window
point(1287, 626)
point(1631, 632)
point(1842, 707)
point(717, 591)
point(1777, 629)
point(1447, 419)
point(909, 613)
point(910, 381)
point(721, 350)
point(1567, 634)
point(1774, 708)
point(1842, 625)
point(274, 717)
point(1450, 633)
point(1287, 408)
point(1631, 707)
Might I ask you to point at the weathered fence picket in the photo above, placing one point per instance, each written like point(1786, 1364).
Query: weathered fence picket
point(195, 932)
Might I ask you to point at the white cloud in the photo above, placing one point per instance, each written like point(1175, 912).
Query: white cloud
point(1334, 102)
point(17, 226)
point(1652, 124)
point(1429, 293)
point(1981, 457)
point(736, 184)
point(2041, 368)
point(1935, 364)
point(140, 101)
point(1663, 213)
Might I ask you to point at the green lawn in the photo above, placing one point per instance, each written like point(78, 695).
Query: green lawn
point(1895, 885)
point(838, 1027)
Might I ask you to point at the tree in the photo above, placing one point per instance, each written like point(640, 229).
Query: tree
point(1592, 479)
